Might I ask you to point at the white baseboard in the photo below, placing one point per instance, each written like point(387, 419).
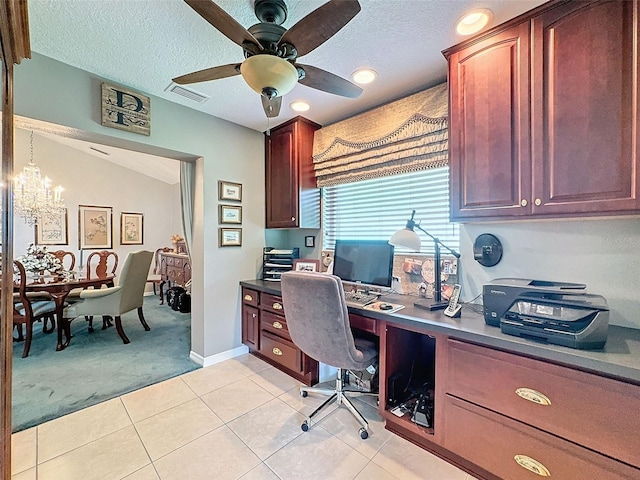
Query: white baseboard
point(218, 357)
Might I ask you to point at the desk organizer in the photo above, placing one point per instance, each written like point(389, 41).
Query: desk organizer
point(275, 261)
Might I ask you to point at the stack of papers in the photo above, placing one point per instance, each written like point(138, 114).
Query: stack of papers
point(375, 306)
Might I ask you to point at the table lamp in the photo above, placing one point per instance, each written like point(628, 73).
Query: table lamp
point(409, 239)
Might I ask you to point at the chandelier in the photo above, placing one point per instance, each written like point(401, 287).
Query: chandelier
point(33, 197)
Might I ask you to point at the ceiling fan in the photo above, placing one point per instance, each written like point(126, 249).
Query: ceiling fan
point(271, 51)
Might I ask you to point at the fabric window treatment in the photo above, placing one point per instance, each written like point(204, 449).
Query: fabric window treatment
point(187, 189)
point(404, 136)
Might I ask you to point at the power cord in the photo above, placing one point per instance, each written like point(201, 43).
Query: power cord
point(474, 307)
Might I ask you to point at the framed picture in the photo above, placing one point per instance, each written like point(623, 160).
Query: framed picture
point(131, 228)
point(230, 214)
point(229, 191)
point(53, 230)
point(230, 237)
point(95, 228)
point(306, 265)
point(310, 241)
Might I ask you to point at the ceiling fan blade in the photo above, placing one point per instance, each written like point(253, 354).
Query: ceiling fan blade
point(224, 22)
point(328, 82)
point(320, 25)
point(213, 73)
point(271, 106)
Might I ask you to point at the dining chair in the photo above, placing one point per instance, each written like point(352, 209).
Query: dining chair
point(27, 309)
point(155, 278)
point(107, 261)
point(115, 301)
point(62, 255)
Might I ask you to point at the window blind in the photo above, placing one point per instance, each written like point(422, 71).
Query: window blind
point(375, 209)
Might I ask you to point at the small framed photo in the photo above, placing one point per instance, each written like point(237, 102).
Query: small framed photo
point(230, 214)
point(95, 227)
point(131, 228)
point(310, 241)
point(230, 237)
point(229, 191)
point(53, 230)
point(306, 265)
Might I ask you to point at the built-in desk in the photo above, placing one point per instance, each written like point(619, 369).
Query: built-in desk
point(570, 412)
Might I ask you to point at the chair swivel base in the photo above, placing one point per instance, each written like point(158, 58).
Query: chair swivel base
point(336, 394)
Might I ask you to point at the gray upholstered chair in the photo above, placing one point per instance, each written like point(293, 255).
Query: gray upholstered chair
point(318, 322)
point(116, 301)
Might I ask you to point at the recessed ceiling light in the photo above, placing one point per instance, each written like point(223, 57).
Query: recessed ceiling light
point(364, 76)
point(474, 21)
point(299, 106)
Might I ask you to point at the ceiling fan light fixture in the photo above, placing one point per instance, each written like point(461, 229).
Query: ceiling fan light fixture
point(299, 106)
point(363, 76)
point(269, 75)
point(474, 21)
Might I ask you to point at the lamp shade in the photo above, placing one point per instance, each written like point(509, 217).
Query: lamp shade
point(269, 75)
point(406, 238)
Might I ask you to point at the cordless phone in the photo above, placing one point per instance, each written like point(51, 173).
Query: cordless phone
point(453, 310)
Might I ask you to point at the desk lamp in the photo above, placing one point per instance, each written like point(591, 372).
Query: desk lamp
point(409, 239)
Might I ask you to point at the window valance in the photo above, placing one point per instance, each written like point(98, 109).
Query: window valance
point(403, 136)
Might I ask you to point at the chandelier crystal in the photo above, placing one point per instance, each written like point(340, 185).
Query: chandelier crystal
point(33, 197)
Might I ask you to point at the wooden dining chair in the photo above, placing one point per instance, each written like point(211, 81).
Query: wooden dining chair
point(27, 309)
point(155, 278)
point(62, 255)
point(101, 262)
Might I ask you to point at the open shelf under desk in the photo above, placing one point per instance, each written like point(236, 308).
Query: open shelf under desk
point(406, 423)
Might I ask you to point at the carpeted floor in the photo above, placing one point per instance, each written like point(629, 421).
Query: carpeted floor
point(98, 366)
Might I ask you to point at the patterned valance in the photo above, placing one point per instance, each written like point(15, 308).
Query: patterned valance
point(403, 136)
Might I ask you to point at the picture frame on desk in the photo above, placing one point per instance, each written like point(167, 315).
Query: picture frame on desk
point(306, 265)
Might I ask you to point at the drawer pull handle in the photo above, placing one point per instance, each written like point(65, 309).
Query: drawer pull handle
point(248, 298)
point(532, 465)
point(277, 325)
point(277, 351)
point(277, 306)
point(533, 396)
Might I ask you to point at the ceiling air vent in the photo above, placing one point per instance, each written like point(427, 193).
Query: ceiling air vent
point(187, 93)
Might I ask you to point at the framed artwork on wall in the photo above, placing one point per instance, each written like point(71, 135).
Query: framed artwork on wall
point(95, 229)
point(230, 237)
point(229, 191)
point(53, 230)
point(230, 214)
point(131, 228)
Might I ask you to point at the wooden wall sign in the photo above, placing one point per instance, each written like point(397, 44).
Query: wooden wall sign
point(125, 109)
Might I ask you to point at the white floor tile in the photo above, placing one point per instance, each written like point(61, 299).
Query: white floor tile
point(236, 399)
point(148, 401)
point(205, 380)
point(261, 472)
point(23, 450)
point(145, 473)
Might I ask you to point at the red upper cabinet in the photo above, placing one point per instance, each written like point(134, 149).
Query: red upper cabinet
point(292, 196)
point(544, 115)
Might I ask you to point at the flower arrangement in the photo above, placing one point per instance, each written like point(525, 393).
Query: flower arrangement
point(176, 238)
point(37, 259)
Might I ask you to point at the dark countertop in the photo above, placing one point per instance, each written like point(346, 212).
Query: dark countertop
point(620, 357)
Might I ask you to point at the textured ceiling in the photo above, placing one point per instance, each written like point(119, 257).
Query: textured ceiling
point(143, 44)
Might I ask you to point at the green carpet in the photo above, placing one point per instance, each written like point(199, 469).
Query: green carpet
point(97, 366)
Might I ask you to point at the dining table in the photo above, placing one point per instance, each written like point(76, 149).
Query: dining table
point(58, 287)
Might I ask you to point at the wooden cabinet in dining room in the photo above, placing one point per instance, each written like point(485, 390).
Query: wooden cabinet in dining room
point(292, 196)
point(544, 114)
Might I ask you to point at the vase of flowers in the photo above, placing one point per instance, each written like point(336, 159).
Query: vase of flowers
point(37, 261)
point(175, 240)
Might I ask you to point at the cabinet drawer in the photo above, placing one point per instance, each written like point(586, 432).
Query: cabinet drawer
point(275, 324)
point(273, 303)
point(176, 275)
point(363, 323)
point(506, 448)
point(596, 412)
point(281, 351)
point(250, 297)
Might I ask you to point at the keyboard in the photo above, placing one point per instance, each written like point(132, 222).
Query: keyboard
point(358, 299)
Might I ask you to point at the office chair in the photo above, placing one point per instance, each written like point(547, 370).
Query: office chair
point(318, 322)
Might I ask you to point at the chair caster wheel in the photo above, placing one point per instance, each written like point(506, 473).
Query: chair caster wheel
point(305, 427)
point(363, 433)
point(303, 393)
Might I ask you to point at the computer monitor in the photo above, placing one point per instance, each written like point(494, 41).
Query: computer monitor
point(369, 262)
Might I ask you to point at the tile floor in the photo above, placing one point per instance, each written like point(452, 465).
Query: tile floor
point(237, 419)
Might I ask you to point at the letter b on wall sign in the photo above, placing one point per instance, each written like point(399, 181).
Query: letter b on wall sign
point(125, 109)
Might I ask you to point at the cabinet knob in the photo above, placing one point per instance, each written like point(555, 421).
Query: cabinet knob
point(532, 465)
point(277, 306)
point(277, 325)
point(523, 202)
point(293, 219)
point(248, 298)
point(254, 315)
point(277, 351)
point(533, 396)
point(538, 202)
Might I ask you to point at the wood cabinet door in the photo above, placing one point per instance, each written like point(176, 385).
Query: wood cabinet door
point(489, 133)
point(251, 327)
point(585, 108)
point(282, 177)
